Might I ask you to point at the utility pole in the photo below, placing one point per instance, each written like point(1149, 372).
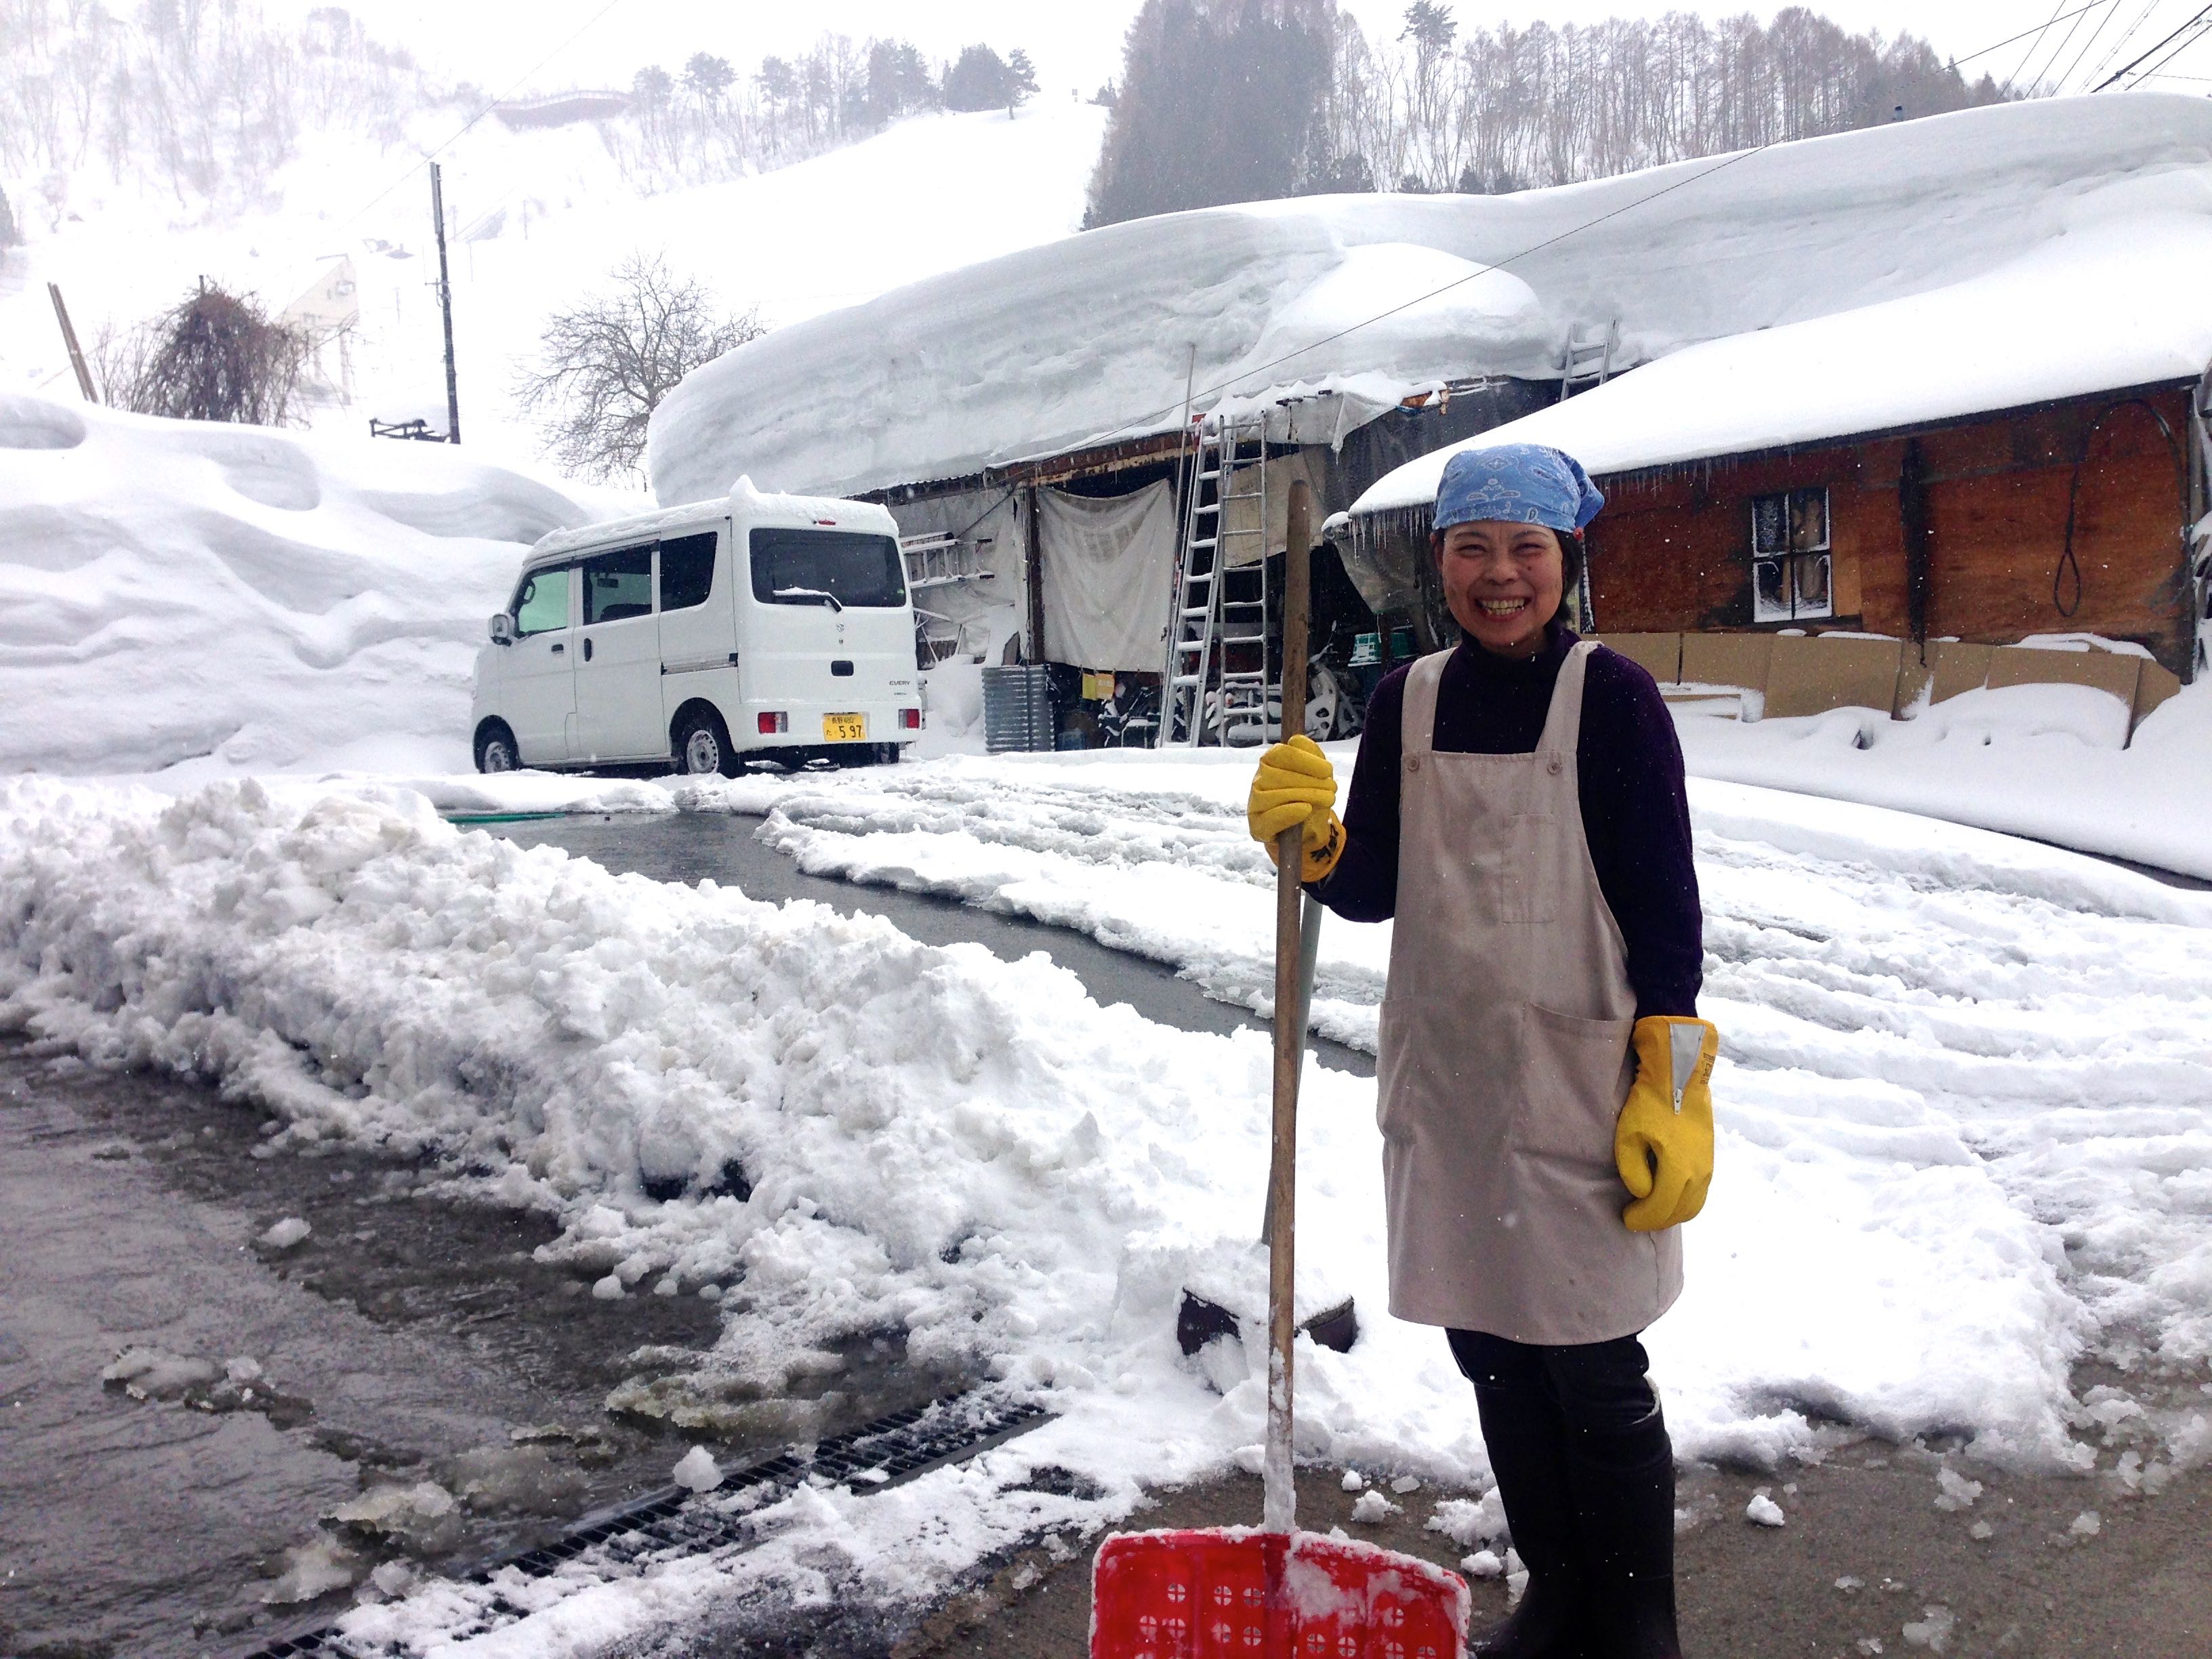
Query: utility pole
point(69, 339)
point(446, 307)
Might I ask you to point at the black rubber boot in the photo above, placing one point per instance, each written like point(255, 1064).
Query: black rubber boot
point(1623, 1482)
point(1526, 1439)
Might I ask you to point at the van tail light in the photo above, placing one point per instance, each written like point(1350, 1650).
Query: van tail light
point(771, 724)
point(909, 719)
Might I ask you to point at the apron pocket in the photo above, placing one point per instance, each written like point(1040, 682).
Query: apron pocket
point(1575, 1079)
point(1526, 880)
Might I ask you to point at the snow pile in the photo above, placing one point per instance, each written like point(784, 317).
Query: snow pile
point(176, 590)
point(2042, 761)
point(1944, 1053)
point(1966, 229)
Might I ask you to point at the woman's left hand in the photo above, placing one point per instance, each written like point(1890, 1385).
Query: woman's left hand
point(1662, 1143)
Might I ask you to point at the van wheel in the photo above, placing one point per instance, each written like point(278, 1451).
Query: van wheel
point(702, 747)
point(495, 750)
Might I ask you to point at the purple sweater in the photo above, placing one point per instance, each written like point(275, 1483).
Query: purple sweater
point(1636, 812)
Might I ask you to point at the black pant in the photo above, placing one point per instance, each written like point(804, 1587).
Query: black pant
point(1587, 1474)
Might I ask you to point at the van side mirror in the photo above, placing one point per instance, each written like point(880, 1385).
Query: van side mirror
point(502, 629)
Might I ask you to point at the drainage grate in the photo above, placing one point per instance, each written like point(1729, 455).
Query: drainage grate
point(674, 1522)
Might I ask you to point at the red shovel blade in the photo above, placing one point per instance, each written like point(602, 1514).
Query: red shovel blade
point(1235, 1590)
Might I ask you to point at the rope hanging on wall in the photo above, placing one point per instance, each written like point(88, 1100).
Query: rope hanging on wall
point(2068, 564)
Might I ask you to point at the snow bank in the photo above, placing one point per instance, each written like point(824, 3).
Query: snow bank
point(2041, 761)
point(1043, 350)
point(178, 589)
point(1950, 1058)
point(1964, 1134)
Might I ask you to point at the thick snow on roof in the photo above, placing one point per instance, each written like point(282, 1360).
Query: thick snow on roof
point(1090, 338)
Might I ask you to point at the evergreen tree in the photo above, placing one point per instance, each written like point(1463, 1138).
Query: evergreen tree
point(1021, 78)
point(979, 79)
point(1219, 100)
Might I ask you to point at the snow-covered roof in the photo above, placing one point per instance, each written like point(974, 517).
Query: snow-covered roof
point(2113, 299)
point(1090, 339)
point(691, 515)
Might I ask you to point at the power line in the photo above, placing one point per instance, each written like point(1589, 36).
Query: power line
point(2162, 45)
point(2155, 68)
point(2126, 35)
point(2059, 51)
point(2103, 23)
point(1999, 45)
point(2021, 67)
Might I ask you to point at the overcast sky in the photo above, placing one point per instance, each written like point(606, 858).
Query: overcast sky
point(499, 43)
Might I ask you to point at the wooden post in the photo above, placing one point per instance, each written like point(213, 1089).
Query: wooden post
point(69, 339)
point(1913, 514)
point(445, 308)
point(1033, 577)
point(1281, 1499)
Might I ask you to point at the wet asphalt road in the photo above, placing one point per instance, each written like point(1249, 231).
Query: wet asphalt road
point(410, 1337)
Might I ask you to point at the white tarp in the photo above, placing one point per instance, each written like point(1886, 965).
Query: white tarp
point(1107, 564)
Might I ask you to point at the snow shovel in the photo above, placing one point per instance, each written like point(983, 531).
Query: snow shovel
point(1276, 1593)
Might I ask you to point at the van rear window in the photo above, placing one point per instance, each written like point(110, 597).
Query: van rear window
point(812, 567)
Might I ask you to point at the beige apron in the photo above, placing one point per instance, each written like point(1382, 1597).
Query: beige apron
point(1504, 1048)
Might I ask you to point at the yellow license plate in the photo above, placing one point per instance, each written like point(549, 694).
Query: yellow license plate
point(844, 728)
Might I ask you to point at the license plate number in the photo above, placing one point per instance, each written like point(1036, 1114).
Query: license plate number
point(844, 728)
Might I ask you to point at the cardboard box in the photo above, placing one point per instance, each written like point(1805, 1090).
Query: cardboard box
point(1957, 667)
point(2157, 684)
point(1659, 655)
point(1810, 674)
point(1727, 659)
point(2108, 671)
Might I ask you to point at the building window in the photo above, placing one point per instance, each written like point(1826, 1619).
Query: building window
point(1789, 556)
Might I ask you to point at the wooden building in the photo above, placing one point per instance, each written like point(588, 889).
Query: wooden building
point(1840, 477)
point(2068, 516)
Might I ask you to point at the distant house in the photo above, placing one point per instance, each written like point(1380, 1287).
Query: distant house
point(1870, 297)
point(2017, 455)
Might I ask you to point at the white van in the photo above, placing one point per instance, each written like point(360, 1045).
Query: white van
point(755, 626)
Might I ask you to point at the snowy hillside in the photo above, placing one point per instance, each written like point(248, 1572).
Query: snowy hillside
point(177, 591)
point(538, 220)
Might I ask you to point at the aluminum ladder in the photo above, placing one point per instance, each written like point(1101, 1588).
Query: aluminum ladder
point(1217, 672)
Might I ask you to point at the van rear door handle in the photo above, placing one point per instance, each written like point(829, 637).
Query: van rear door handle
point(587, 650)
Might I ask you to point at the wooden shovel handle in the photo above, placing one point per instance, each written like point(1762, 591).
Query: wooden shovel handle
point(1281, 1500)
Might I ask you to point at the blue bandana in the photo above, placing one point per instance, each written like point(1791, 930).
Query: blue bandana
point(1519, 483)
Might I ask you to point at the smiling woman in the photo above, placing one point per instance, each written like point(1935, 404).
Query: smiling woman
point(1519, 810)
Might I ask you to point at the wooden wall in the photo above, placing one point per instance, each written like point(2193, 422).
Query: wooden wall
point(1672, 549)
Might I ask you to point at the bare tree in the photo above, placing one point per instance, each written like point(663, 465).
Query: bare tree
point(213, 356)
point(605, 366)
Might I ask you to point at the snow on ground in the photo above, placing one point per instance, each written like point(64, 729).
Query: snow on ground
point(1965, 1136)
point(240, 597)
point(2042, 761)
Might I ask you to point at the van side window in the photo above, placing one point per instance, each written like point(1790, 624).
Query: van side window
point(618, 585)
point(687, 571)
point(541, 604)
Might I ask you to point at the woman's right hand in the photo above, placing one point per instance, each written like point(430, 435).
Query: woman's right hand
point(1296, 788)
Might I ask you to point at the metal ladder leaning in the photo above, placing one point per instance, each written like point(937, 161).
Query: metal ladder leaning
point(1219, 602)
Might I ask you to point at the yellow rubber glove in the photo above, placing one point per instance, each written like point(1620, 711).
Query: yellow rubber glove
point(1295, 785)
point(1662, 1144)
